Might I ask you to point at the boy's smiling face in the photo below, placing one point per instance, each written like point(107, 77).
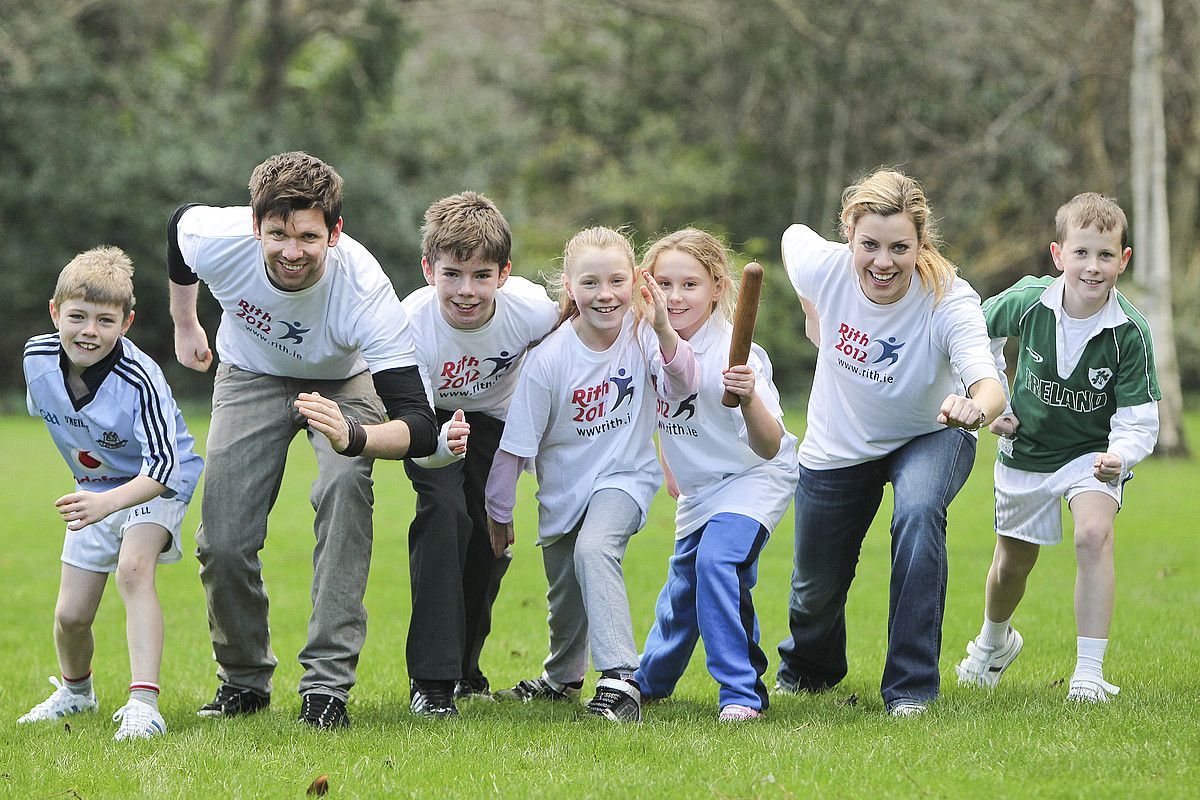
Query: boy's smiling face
point(1090, 261)
point(88, 331)
point(466, 290)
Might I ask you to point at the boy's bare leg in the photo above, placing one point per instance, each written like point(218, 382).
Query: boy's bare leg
point(1011, 565)
point(140, 548)
point(79, 596)
point(1095, 582)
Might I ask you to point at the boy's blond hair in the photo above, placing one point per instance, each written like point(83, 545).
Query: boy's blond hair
point(295, 181)
point(102, 275)
point(462, 225)
point(1091, 210)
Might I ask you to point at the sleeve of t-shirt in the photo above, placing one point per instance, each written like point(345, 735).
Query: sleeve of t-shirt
point(153, 422)
point(528, 413)
point(959, 330)
point(539, 312)
point(383, 332)
point(1137, 378)
point(1133, 433)
point(1002, 312)
point(177, 267)
point(809, 259)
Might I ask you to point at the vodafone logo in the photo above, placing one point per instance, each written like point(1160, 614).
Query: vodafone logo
point(85, 459)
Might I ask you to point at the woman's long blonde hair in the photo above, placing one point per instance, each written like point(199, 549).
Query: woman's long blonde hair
point(886, 192)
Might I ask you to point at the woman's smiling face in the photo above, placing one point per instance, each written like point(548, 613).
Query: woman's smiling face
point(885, 255)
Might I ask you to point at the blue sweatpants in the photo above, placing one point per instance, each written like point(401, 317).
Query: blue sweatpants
point(707, 595)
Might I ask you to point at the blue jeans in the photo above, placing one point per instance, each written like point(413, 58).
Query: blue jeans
point(707, 595)
point(834, 508)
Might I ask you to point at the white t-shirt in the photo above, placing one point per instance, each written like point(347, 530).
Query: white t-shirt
point(588, 418)
point(706, 444)
point(476, 370)
point(882, 370)
point(348, 321)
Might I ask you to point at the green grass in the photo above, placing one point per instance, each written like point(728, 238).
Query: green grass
point(1020, 740)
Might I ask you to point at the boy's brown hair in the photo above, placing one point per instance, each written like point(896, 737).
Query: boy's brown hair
point(461, 225)
point(102, 275)
point(1091, 210)
point(295, 181)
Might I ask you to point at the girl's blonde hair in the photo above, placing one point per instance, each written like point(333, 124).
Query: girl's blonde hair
point(712, 255)
point(597, 238)
point(887, 192)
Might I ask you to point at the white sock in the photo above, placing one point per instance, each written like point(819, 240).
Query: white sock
point(81, 686)
point(145, 692)
point(1090, 658)
point(993, 634)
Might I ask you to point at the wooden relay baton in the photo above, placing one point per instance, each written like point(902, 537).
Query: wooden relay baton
point(743, 323)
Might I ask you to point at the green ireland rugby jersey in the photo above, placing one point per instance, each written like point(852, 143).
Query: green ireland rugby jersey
point(1064, 418)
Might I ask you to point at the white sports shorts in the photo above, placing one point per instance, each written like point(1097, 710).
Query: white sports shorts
point(1028, 504)
point(97, 547)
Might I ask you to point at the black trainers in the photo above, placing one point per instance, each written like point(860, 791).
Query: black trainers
point(540, 689)
point(234, 701)
point(473, 689)
point(616, 700)
point(432, 699)
point(324, 711)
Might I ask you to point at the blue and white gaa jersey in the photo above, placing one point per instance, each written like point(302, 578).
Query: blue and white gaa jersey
point(126, 425)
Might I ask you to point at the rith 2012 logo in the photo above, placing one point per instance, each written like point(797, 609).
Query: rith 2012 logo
point(856, 345)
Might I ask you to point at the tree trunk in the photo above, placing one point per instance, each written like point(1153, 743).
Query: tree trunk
point(1152, 272)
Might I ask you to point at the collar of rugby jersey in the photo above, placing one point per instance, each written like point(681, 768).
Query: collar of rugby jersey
point(93, 376)
point(1110, 316)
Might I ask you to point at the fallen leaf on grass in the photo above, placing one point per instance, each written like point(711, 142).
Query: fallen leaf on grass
point(319, 787)
point(1166, 572)
point(1057, 683)
point(850, 701)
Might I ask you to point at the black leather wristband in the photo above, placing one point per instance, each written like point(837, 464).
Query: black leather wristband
point(358, 437)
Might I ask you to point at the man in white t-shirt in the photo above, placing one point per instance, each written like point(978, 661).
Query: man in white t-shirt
point(472, 325)
point(309, 320)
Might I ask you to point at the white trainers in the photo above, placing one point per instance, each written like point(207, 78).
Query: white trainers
point(984, 666)
point(738, 713)
point(1090, 689)
point(139, 721)
point(62, 703)
point(908, 708)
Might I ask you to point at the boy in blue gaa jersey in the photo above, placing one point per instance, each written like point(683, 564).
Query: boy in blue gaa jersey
point(1083, 411)
point(113, 418)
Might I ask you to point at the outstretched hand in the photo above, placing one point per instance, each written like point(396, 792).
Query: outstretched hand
point(326, 418)
point(656, 298)
point(80, 509)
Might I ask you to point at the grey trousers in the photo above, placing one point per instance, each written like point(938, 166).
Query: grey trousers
point(589, 607)
point(253, 422)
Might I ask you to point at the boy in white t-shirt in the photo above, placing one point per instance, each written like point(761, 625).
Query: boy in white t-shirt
point(111, 415)
point(471, 326)
point(1083, 411)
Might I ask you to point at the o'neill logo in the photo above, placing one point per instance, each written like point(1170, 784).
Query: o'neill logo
point(85, 459)
point(111, 441)
point(1099, 377)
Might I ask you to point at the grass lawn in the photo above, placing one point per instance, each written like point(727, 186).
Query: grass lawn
point(1020, 740)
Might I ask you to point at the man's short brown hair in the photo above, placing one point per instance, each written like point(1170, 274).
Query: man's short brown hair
point(1091, 210)
point(295, 181)
point(462, 225)
point(102, 275)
